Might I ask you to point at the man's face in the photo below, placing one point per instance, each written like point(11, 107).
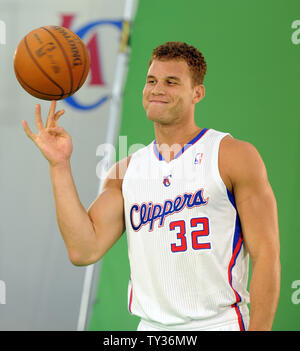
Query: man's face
point(168, 95)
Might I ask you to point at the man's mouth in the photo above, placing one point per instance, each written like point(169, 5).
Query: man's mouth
point(158, 102)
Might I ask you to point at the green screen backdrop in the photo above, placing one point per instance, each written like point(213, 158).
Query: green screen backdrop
point(252, 91)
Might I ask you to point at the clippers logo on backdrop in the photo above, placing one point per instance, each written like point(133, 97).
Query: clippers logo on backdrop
point(99, 74)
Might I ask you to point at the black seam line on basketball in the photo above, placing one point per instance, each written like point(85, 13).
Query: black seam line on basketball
point(34, 60)
point(85, 64)
point(28, 86)
point(66, 58)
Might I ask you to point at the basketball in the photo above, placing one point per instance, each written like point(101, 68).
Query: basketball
point(51, 63)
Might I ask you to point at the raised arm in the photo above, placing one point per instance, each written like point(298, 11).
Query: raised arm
point(87, 234)
point(256, 205)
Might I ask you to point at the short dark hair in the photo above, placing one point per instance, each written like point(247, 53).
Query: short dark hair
point(177, 50)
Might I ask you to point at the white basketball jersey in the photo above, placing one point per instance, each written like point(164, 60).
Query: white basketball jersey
point(188, 262)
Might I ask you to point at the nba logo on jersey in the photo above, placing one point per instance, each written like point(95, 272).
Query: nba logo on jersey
point(198, 158)
point(166, 180)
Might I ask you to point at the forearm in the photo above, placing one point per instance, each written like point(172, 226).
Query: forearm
point(72, 218)
point(264, 293)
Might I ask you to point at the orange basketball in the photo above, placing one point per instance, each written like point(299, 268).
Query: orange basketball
point(51, 63)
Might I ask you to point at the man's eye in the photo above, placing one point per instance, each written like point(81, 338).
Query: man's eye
point(171, 83)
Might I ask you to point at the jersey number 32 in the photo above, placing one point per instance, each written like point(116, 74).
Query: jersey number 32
point(201, 226)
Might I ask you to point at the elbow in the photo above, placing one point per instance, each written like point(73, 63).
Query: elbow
point(79, 263)
point(80, 260)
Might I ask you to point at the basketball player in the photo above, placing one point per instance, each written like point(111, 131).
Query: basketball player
point(195, 203)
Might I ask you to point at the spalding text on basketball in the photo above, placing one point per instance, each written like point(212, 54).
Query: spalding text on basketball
point(77, 59)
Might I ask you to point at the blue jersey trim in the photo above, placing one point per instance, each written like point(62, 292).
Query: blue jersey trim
point(237, 240)
point(238, 227)
point(186, 146)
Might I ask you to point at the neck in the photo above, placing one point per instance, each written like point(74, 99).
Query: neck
point(171, 139)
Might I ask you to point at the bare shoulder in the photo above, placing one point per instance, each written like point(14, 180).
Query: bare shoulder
point(239, 161)
point(235, 148)
point(116, 173)
point(111, 197)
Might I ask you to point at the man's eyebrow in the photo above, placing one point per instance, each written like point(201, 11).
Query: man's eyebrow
point(174, 78)
point(168, 77)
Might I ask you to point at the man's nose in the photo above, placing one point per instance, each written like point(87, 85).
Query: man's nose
point(158, 89)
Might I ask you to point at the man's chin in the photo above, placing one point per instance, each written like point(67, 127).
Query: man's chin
point(158, 118)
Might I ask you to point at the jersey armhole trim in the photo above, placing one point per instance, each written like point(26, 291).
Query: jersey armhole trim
point(215, 163)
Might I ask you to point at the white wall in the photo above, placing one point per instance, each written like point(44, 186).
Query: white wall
point(43, 289)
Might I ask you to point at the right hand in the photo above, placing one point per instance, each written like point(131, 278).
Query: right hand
point(53, 141)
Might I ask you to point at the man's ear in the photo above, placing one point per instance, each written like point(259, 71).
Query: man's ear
point(199, 93)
